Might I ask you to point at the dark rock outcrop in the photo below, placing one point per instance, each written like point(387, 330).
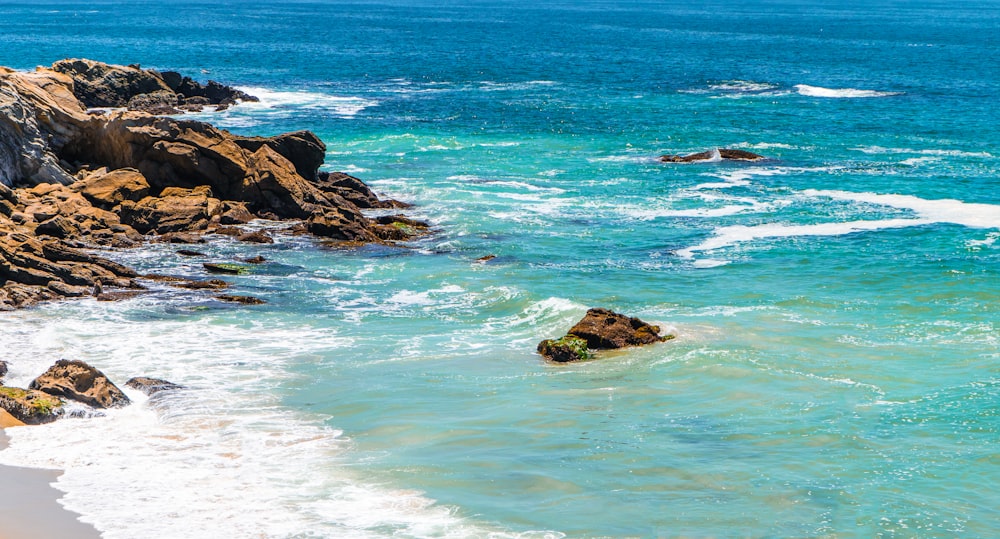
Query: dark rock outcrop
point(723, 153)
point(151, 386)
point(600, 329)
point(245, 300)
point(105, 85)
point(3, 369)
point(29, 406)
point(76, 380)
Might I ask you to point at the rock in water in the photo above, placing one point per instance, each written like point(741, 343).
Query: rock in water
point(604, 329)
point(600, 329)
point(79, 381)
point(150, 386)
point(568, 348)
point(29, 406)
point(724, 153)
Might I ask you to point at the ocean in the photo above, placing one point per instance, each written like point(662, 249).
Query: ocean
point(836, 367)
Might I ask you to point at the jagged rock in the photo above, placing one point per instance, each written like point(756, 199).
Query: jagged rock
point(185, 238)
point(245, 300)
point(354, 190)
point(188, 252)
point(303, 149)
point(3, 369)
point(600, 329)
point(79, 381)
point(104, 85)
point(723, 153)
point(31, 407)
point(345, 226)
point(255, 260)
point(151, 386)
point(175, 210)
point(235, 213)
point(110, 189)
point(35, 269)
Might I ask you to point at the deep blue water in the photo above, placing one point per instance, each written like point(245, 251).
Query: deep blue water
point(835, 306)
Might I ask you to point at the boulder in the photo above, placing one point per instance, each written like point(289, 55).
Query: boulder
point(176, 210)
point(258, 236)
point(29, 406)
point(723, 153)
point(111, 189)
point(79, 381)
point(151, 386)
point(605, 329)
point(3, 369)
point(235, 213)
point(600, 329)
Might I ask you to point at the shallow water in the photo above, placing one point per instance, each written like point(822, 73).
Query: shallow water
point(835, 307)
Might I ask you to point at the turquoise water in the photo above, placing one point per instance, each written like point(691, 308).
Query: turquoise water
point(836, 307)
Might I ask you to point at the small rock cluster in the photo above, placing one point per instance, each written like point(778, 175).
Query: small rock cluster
point(600, 329)
point(45, 398)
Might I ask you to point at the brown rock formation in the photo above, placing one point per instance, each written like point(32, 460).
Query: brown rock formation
point(106, 179)
point(600, 329)
point(79, 381)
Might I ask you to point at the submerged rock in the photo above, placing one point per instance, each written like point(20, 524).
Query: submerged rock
point(721, 153)
point(151, 386)
point(30, 406)
point(600, 329)
point(76, 380)
point(245, 300)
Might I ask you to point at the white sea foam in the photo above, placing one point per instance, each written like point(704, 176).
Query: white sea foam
point(278, 101)
point(925, 212)
point(842, 93)
point(956, 212)
point(732, 235)
point(222, 458)
point(927, 151)
point(742, 86)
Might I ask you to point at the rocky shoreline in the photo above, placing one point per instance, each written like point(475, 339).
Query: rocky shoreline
point(74, 176)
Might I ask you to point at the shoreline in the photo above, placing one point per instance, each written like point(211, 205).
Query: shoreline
point(35, 512)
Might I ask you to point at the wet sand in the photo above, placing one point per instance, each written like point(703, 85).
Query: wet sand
point(29, 508)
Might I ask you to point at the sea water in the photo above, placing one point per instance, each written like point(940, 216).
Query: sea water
point(835, 307)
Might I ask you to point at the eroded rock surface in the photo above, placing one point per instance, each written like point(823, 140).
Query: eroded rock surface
point(76, 380)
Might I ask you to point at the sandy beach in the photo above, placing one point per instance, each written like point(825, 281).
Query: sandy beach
point(33, 511)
